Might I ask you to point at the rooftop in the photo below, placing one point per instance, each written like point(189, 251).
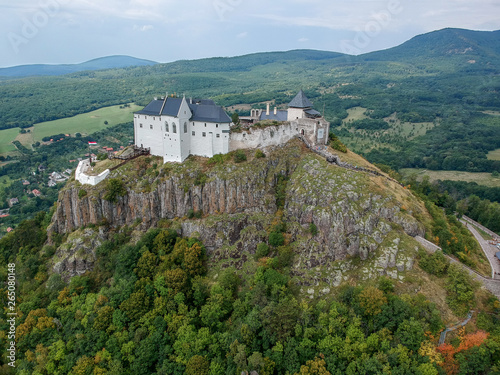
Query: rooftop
point(204, 110)
point(300, 101)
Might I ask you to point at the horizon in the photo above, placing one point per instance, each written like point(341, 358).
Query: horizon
point(233, 56)
point(71, 32)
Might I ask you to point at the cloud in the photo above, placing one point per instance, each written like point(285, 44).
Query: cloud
point(143, 28)
point(242, 35)
point(302, 40)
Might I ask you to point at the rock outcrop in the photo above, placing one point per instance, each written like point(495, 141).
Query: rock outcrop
point(353, 214)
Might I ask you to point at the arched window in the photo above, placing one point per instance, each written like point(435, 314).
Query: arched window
point(166, 126)
point(174, 128)
point(185, 127)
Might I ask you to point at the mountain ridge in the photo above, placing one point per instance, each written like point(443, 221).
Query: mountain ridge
point(100, 63)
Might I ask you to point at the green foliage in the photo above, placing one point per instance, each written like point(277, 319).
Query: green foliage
point(262, 250)
point(259, 154)
point(369, 124)
point(276, 239)
point(239, 156)
point(82, 193)
point(461, 289)
point(280, 190)
point(336, 143)
point(313, 229)
point(114, 188)
point(435, 264)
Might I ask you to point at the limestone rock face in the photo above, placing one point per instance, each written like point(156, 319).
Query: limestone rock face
point(352, 211)
point(77, 255)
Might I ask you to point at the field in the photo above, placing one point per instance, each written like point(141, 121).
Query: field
point(494, 155)
point(86, 123)
point(6, 138)
point(481, 178)
point(360, 140)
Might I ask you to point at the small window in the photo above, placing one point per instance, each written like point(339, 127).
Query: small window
point(216, 125)
point(166, 126)
point(154, 118)
point(140, 125)
point(151, 126)
point(204, 134)
point(193, 133)
point(205, 124)
point(217, 135)
point(174, 128)
point(185, 127)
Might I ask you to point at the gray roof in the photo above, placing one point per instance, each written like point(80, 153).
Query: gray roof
point(312, 112)
point(300, 101)
point(279, 116)
point(203, 109)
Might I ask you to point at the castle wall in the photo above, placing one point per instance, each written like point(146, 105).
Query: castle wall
point(264, 137)
point(84, 178)
point(209, 139)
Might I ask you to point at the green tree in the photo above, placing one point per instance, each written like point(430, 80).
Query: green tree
point(114, 188)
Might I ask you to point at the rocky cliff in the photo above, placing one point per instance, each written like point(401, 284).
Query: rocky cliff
point(353, 212)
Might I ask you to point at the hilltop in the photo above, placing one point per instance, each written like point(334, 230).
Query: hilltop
point(108, 62)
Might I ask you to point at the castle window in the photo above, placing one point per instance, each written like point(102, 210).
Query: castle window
point(193, 133)
point(140, 125)
point(154, 118)
point(151, 126)
point(185, 127)
point(204, 134)
point(216, 125)
point(174, 128)
point(205, 124)
point(166, 126)
point(217, 135)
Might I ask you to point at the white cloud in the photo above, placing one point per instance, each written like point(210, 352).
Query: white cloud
point(242, 35)
point(302, 40)
point(143, 28)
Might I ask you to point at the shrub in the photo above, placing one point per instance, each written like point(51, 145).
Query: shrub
point(435, 264)
point(313, 229)
point(190, 214)
point(114, 188)
point(240, 156)
point(336, 144)
point(262, 250)
point(259, 154)
point(276, 239)
point(82, 193)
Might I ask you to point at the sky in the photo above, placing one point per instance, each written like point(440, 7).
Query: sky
point(74, 31)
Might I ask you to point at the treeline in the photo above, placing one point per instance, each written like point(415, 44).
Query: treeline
point(454, 196)
point(453, 145)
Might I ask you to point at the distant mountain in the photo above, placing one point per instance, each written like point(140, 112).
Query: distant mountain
point(443, 43)
point(109, 62)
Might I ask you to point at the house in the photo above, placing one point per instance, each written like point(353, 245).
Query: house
point(9, 229)
point(26, 182)
point(13, 201)
point(175, 128)
point(36, 192)
point(51, 183)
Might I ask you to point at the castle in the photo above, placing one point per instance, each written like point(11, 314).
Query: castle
point(175, 128)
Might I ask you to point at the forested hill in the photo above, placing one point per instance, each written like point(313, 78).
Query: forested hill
point(444, 43)
point(109, 62)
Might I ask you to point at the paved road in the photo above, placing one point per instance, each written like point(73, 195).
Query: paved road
point(489, 251)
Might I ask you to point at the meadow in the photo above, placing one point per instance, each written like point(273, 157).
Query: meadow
point(484, 179)
point(6, 138)
point(86, 123)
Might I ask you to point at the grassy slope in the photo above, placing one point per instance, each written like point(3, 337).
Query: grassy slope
point(6, 138)
point(86, 123)
point(481, 178)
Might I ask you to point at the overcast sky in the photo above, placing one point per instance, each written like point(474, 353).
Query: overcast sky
point(73, 31)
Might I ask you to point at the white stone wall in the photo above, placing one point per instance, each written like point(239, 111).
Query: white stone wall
point(84, 178)
point(157, 133)
point(209, 138)
point(264, 137)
